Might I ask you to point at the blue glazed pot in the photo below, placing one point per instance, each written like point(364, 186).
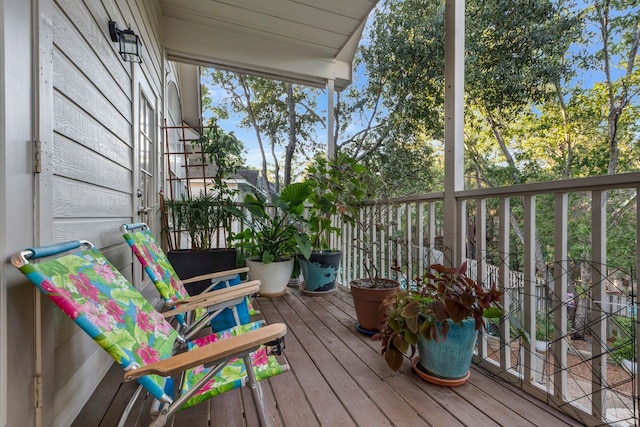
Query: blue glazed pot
point(320, 270)
point(450, 358)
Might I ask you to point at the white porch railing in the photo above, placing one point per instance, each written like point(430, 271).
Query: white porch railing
point(576, 375)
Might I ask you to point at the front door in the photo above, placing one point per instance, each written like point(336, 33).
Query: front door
point(146, 171)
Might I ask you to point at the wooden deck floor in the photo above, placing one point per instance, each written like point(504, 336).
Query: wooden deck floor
point(337, 378)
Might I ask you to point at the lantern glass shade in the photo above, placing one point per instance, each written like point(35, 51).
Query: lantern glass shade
point(128, 42)
point(130, 46)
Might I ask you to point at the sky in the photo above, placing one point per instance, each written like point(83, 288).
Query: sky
point(253, 155)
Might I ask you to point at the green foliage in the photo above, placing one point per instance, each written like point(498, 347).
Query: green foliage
point(281, 115)
point(206, 213)
point(446, 294)
point(198, 216)
point(336, 188)
point(623, 345)
point(530, 115)
point(544, 326)
point(221, 149)
point(273, 229)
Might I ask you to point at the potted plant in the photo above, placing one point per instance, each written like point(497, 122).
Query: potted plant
point(623, 343)
point(544, 330)
point(372, 292)
point(205, 213)
point(336, 185)
point(203, 216)
point(441, 320)
point(273, 237)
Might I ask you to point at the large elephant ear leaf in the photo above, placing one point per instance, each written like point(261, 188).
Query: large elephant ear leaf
point(294, 195)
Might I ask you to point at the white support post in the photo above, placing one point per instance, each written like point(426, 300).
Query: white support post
point(331, 142)
point(454, 123)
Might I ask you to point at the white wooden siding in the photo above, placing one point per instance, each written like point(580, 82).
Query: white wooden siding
point(93, 162)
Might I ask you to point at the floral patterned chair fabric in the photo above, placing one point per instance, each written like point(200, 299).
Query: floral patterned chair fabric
point(157, 265)
point(99, 299)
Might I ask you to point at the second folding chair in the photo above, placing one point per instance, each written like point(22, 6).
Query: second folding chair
point(233, 306)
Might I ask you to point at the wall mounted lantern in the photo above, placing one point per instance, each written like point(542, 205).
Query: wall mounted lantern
point(129, 42)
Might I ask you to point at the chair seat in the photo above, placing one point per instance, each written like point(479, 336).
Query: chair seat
point(234, 374)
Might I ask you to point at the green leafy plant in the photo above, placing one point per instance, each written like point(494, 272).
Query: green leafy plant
point(224, 151)
point(336, 189)
point(205, 213)
point(274, 229)
point(198, 216)
point(623, 343)
point(544, 326)
point(445, 294)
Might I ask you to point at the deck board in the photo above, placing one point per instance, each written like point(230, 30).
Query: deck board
point(336, 377)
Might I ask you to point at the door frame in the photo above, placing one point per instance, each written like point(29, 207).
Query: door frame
point(142, 87)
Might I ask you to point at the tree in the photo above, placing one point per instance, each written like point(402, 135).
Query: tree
point(281, 113)
point(515, 52)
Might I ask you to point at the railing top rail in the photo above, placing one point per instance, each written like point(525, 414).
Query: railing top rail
point(592, 183)
point(414, 198)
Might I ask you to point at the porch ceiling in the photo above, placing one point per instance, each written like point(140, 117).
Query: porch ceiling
point(305, 41)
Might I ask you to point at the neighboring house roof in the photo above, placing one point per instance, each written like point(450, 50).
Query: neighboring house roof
point(250, 175)
point(209, 172)
point(307, 42)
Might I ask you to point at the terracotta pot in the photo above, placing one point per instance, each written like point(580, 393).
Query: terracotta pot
point(368, 302)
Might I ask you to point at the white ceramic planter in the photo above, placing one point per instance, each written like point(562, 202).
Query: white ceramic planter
point(629, 366)
point(542, 346)
point(274, 277)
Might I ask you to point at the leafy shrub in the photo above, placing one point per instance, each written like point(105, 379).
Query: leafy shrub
point(623, 344)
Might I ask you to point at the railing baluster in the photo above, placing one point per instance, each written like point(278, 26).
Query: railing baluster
point(529, 306)
point(598, 290)
point(481, 254)
point(503, 279)
point(421, 227)
point(636, 288)
point(432, 232)
point(420, 238)
point(559, 345)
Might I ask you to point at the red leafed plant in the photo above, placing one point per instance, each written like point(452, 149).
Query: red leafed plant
point(445, 293)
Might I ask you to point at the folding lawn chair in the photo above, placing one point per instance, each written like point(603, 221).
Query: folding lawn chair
point(95, 295)
point(223, 315)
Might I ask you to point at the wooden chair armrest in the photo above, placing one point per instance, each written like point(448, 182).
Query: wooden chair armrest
point(220, 350)
point(213, 297)
point(216, 275)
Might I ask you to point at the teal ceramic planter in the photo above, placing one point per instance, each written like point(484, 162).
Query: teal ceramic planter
point(450, 358)
point(320, 271)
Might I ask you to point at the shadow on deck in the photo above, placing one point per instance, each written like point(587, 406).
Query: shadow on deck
point(337, 378)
